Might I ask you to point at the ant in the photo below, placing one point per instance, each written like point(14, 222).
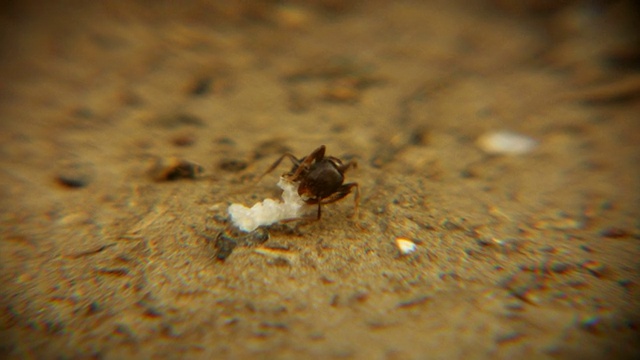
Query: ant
point(321, 178)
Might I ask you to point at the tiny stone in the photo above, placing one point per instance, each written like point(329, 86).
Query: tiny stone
point(449, 275)
point(83, 113)
point(414, 302)
point(225, 141)
point(484, 242)
point(449, 225)
point(279, 261)
point(506, 142)
point(625, 283)
point(256, 237)
point(514, 306)
point(586, 248)
point(529, 267)
point(405, 246)
point(74, 175)
point(173, 168)
point(467, 174)
point(93, 308)
point(233, 165)
point(183, 140)
point(178, 120)
point(577, 284)
point(152, 312)
point(591, 324)
point(201, 87)
point(561, 268)
point(548, 249)
point(277, 257)
point(594, 268)
point(360, 296)
point(615, 233)
point(508, 337)
point(224, 246)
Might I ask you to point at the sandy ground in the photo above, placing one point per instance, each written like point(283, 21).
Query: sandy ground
point(518, 256)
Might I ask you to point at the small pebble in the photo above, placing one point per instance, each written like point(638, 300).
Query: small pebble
point(277, 257)
point(173, 168)
point(615, 233)
point(228, 239)
point(420, 300)
point(506, 142)
point(74, 174)
point(594, 268)
point(224, 246)
point(202, 86)
point(183, 140)
point(561, 267)
point(232, 165)
point(405, 246)
point(172, 121)
point(592, 324)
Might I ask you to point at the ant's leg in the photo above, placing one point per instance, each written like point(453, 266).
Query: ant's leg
point(317, 155)
point(341, 193)
point(350, 164)
point(277, 162)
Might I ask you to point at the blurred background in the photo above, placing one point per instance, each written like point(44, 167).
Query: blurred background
point(526, 240)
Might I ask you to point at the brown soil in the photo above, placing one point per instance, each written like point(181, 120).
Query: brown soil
point(526, 256)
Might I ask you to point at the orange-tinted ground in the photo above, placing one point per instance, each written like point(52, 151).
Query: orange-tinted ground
point(527, 256)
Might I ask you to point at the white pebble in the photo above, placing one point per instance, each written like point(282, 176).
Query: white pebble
point(405, 246)
point(506, 142)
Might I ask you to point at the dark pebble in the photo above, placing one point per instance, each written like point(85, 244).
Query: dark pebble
point(413, 302)
point(175, 168)
point(72, 181)
point(594, 268)
point(230, 238)
point(561, 268)
point(233, 165)
point(201, 87)
point(152, 312)
point(625, 283)
point(178, 120)
point(449, 225)
point(183, 140)
point(224, 246)
point(615, 233)
point(591, 324)
point(93, 308)
point(74, 175)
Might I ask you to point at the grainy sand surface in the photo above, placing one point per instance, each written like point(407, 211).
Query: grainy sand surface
point(518, 256)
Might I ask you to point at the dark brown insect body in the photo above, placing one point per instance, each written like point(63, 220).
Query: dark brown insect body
point(320, 178)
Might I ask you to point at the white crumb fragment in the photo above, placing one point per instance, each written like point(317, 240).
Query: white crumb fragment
point(405, 246)
point(506, 142)
point(270, 211)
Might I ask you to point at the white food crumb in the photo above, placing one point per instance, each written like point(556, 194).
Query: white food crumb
point(405, 246)
point(506, 142)
point(270, 211)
